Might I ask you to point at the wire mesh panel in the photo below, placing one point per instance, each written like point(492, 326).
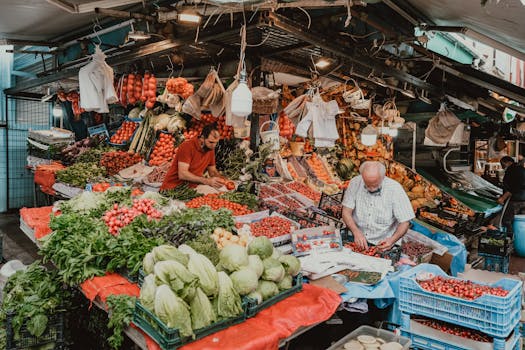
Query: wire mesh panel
point(22, 115)
point(3, 171)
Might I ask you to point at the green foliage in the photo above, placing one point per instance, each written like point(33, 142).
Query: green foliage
point(120, 308)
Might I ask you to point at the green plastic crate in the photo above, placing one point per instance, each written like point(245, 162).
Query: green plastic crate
point(254, 308)
point(169, 338)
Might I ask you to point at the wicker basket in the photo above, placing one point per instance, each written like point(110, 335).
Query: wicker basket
point(265, 101)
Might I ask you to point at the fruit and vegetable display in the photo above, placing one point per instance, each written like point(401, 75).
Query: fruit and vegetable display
point(179, 86)
point(286, 126)
point(182, 193)
point(370, 251)
point(116, 161)
point(79, 174)
point(215, 202)
point(460, 288)
point(304, 190)
point(121, 216)
point(319, 239)
point(72, 153)
point(186, 291)
point(36, 296)
point(124, 133)
point(163, 151)
point(272, 227)
point(224, 237)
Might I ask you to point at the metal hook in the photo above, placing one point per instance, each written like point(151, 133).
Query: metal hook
point(181, 68)
point(96, 28)
point(169, 68)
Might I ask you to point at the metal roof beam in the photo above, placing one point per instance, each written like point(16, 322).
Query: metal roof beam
point(330, 45)
point(128, 56)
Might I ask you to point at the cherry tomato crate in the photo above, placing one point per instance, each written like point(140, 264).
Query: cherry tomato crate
point(54, 333)
point(169, 338)
point(493, 315)
point(495, 263)
point(427, 338)
point(254, 308)
point(154, 143)
point(128, 142)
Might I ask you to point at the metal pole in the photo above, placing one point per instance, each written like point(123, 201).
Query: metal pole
point(414, 147)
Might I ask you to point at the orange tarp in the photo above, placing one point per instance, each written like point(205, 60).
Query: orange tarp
point(38, 219)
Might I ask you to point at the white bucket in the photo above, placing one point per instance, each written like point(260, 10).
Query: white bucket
point(271, 136)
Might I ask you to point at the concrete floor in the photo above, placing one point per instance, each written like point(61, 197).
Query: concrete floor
point(16, 245)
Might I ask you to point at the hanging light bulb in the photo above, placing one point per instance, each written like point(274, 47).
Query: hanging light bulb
point(369, 136)
point(57, 110)
point(241, 104)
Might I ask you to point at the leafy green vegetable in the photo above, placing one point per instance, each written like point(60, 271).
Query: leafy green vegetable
point(261, 246)
point(206, 246)
point(178, 277)
point(182, 193)
point(130, 246)
point(147, 292)
point(248, 199)
point(228, 301)
point(202, 314)
point(168, 252)
point(291, 264)
point(273, 270)
point(188, 224)
point(78, 246)
point(148, 263)
point(233, 257)
point(79, 174)
point(120, 309)
point(244, 280)
point(286, 283)
point(203, 268)
point(255, 296)
point(255, 263)
point(173, 311)
point(83, 203)
point(35, 295)
point(267, 289)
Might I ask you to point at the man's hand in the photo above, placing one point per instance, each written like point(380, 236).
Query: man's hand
point(501, 200)
point(214, 182)
point(359, 239)
point(386, 244)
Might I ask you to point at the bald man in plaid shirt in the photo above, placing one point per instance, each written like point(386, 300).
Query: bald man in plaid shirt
point(376, 208)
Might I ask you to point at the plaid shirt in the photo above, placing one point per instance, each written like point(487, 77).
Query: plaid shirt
point(377, 215)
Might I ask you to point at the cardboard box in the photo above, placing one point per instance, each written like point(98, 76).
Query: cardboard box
point(442, 261)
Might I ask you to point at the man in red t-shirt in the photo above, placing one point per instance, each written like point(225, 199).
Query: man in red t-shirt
point(193, 158)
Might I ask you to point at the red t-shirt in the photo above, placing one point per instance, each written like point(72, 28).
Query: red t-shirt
point(189, 152)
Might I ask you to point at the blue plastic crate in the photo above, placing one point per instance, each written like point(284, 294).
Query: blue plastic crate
point(98, 129)
point(424, 337)
point(495, 263)
point(493, 315)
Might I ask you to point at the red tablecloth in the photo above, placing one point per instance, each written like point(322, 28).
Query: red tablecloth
point(45, 176)
point(38, 219)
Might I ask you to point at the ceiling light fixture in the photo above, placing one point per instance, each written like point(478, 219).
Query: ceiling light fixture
point(322, 63)
point(189, 16)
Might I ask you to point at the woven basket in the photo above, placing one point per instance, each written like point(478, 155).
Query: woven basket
point(265, 101)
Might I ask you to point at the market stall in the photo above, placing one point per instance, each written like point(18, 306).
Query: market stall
point(205, 207)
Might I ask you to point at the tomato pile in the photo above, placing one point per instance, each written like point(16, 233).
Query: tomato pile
point(117, 160)
point(119, 217)
point(456, 330)
point(179, 86)
point(273, 205)
point(163, 151)
point(292, 171)
point(304, 190)
point(124, 133)
point(226, 131)
point(267, 192)
point(216, 203)
point(460, 288)
point(197, 125)
point(289, 202)
point(286, 127)
point(370, 251)
point(281, 188)
point(271, 227)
